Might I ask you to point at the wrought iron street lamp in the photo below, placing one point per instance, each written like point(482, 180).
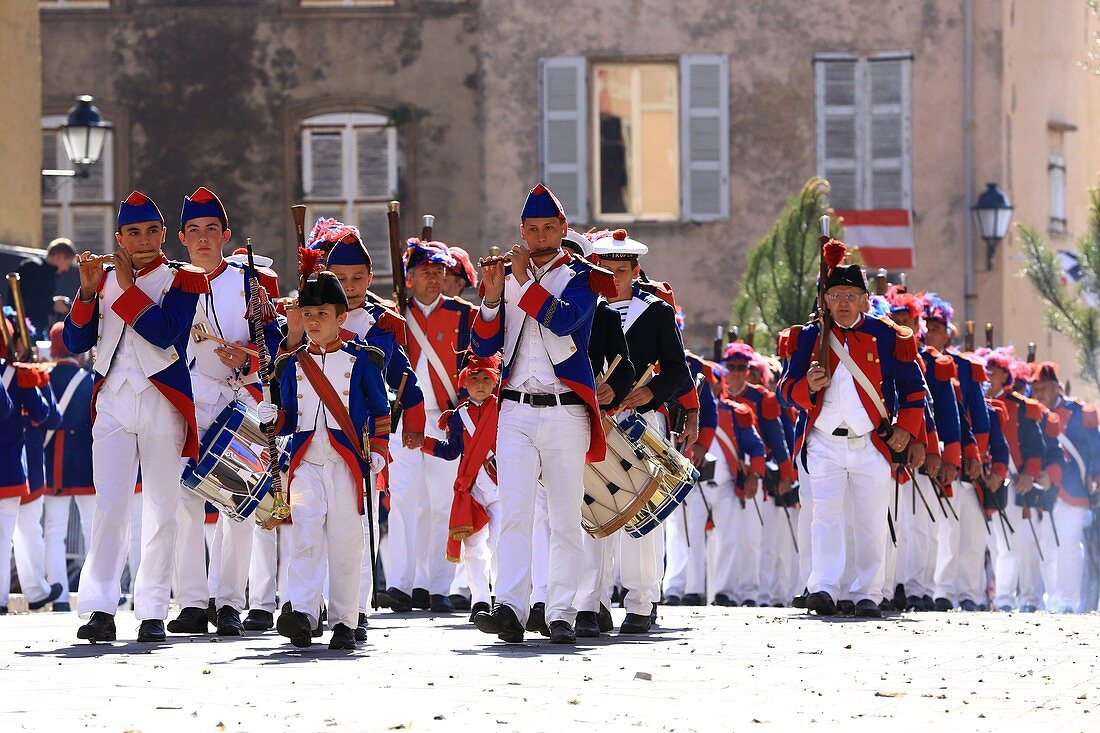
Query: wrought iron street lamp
point(992, 217)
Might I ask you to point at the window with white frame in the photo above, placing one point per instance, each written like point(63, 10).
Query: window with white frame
point(71, 4)
point(82, 209)
point(349, 171)
point(862, 126)
point(1057, 169)
point(659, 132)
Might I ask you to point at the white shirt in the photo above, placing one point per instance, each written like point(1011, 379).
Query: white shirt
point(622, 307)
point(422, 368)
point(125, 367)
point(532, 371)
point(841, 406)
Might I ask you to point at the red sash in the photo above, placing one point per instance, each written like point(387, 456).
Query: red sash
point(468, 517)
point(331, 400)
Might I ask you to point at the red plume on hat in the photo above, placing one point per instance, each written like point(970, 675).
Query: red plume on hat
point(309, 261)
point(834, 251)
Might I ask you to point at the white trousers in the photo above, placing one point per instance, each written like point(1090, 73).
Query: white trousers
point(9, 515)
point(366, 572)
point(916, 566)
point(551, 442)
point(722, 546)
point(266, 574)
point(1063, 569)
point(30, 551)
point(594, 586)
point(56, 512)
point(960, 560)
point(324, 500)
point(421, 490)
point(777, 554)
point(1010, 561)
point(805, 535)
point(132, 428)
point(479, 558)
point(862, 474)
point(686, 547)
point(540, 549)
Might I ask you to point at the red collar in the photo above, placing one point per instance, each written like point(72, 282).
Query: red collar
point(328, 348)
point(160, 260)
point(217, 270)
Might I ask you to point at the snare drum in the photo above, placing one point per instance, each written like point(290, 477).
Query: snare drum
point(676, 476)
point(232, 471)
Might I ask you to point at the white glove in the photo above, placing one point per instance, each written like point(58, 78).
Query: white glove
point(377, 462)
point(267, 411)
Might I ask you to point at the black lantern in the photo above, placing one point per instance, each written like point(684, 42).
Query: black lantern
point(83, 135)
point(992, 216)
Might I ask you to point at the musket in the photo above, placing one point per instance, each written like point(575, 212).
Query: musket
point(1030, 352)
point(393, 216)
point(790, 526)
point(825, 319)
point(989, 335)
point(750, 334)
point(280, 510)
point(426, 229)
point(1035, 535)
point(881, 285)
point(732, 334)
point(398, 407)
point(968, 341)
point(24, 348)
point(298, 211)
point(716, 349)
point(917, 492)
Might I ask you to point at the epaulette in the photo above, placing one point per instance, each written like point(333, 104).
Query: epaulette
point(29, 376)
point(600, 280)
point(1053, 424)
point(376, 299)
point(944, 368)
point(905, 344)
point(280, 361)
point(189, 279)
point(1089, 416)
point(392, 322)
point(743, 414)
point(978, 373)
point(661, 289)
point(1033, 410)
point(269, 280)
point(373, 353)
point(769, 407)
point(788, 343)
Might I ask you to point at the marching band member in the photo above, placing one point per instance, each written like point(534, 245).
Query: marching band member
point(139, 317)
point(220, 374)
point(68, 461)
point(333, 395)
point(459, 276)
point(421, 485)
point(866, 407)
point(540, 313)
point(1076, 482)
point(652, 338)
point(474, 525)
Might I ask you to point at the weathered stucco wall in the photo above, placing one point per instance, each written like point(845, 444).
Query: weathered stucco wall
point(20, 126)
point(211, 94)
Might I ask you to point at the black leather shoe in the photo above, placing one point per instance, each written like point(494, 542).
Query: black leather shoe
point(777, 605)
point(212, 613)
point(440, 604)
point(459, 602)
point(927, 604)
point(885, 605)
point(899, 598)
point(635, 623)
point(562, 633)
point(1028, 608)
point(100, 627)
point(294, 625)
point(867, 608)
point(799, 601)
point(1004, 609)
point(694, 599)
point(151, 630)
point(536, 620)
point(653, 614)
point(259, 620)
point(587, 626)
point(55, 592)
point(62, 607)
point(750, 603)
point(942, 605)
point(721, 599)
point(821, 603)
point(421, 599)
point(478, 608)
point(914, 603)
point(383, 598)
point(191, 620)
point(400, 601)
point(846, 608)
point(319, 629)
point(360, 628)
point(671, 600)
point(3, 610)
point(229, 622)
point(603, 619)
point(968, 605)
point(501, 621)
point(342, 638)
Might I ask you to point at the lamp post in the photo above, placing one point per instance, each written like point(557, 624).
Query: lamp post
point(992, 216)
point(83, 135)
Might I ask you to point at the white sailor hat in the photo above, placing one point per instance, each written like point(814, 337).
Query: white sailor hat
point(578, 242)
point(619, 246)
point(240, 258)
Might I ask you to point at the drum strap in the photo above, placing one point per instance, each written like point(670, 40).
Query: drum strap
point(331, 400)
point(66, 398)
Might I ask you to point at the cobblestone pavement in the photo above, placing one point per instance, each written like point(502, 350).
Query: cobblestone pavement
point(704, 669)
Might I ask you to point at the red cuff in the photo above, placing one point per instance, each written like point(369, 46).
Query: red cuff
point(952, 454)
point(132, 304)
point(532, 301)
point(971, 451)
point(706, 437)
point(1055, 473)
point(413, 419)
point(1000, 469)
point(911, 419)
point(1033, 467)
point(429, 445)
point(800, 393)
point(786, 470)
point(488, 329)
point(82, 313)
point(381, 429)
point(689, 400)
point(983, 443)
point(757, 466)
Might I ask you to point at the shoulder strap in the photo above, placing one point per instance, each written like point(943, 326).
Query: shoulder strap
point(66, 398)
point(1070, 448)
point(430, 354)
point(332, 402)
point(857, 374)
point(9, 373)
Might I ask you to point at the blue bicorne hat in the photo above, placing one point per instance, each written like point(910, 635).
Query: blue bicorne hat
point(342, 243)
point(137, 207)
point(418, 253)
point(541, 203)
point(202, 203)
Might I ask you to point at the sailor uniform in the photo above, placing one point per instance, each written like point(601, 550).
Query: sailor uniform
point(143, 413)
point(857, 460)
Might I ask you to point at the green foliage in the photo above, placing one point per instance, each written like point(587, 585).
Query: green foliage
point(779, 285)
point(1068, 309)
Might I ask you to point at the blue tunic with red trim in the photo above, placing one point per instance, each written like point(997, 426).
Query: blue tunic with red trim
point(386, 332)
point(34, 439)
point(69, 452)
point(971, 378)
point(766, 410)
point(23, 396)
point(1079, 430)
point(939, 370)
point(708, 407)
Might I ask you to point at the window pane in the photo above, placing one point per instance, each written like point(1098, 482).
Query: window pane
point(95, 186)
point(840, 137)
point(886, 190)
point(90, 228)
point(843, 192)
point(49, 161)
point(326, 164)
point(886, 82)
point(613, 100)
point(372, 154)
point(374, 228)
point(49, 225)
point(840, 83)
point(886, 137)
point(315, 212)
point(658, 141)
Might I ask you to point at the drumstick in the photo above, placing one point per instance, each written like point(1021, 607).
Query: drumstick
point(642, 380)
point(199, 334)
point(611, 367)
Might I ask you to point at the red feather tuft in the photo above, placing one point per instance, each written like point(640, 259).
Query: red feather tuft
point(834, 252)
point(309, 261)
point(619, 235)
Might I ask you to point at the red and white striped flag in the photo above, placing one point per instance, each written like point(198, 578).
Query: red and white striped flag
point(884, 237)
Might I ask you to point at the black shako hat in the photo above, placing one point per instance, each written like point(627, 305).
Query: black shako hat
point(322, 288)
point(847, 275)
